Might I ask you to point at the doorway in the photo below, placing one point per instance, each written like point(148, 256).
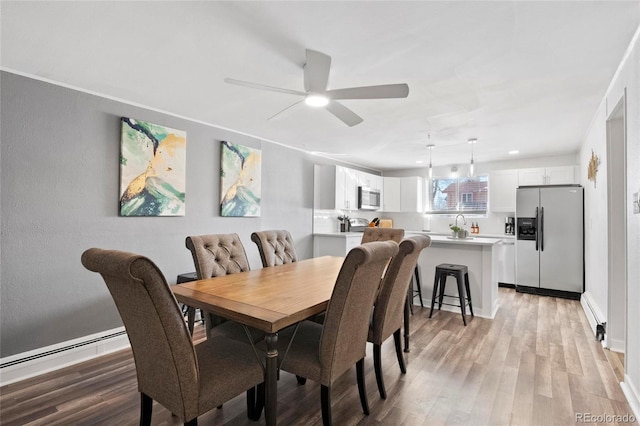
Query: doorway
point(617, 227)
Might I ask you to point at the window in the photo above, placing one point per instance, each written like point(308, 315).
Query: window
point(455, 195)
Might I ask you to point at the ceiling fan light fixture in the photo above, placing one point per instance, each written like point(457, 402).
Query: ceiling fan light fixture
point(316, 100)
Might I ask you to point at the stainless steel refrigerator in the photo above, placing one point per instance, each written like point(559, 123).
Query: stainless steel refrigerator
point(550, 240)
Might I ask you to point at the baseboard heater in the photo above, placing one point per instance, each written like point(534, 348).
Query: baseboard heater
point(601, 327)
point(62, 349)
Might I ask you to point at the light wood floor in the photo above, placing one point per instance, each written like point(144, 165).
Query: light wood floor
point(536, 363)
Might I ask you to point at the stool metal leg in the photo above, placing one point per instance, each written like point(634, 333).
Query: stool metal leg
point(434, 293)
point(466, 284)
point(459, 280)
point(443, 284)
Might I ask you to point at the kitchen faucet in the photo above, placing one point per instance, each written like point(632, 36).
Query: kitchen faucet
point(464, 221)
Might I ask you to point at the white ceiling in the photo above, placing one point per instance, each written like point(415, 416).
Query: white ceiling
point(515, 75)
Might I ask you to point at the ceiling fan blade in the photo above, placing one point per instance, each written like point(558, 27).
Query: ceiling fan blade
point(371, 92)
point(344, 114)
point(316, 71)
point(263, 87)
point(280, 112)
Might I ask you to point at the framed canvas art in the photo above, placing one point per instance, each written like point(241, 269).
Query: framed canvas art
point(240, 171)
point(152, 169)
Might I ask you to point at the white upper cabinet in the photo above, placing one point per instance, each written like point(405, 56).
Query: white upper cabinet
point(559, 175)
point(562, 175)
point(403, 194)
point(502, 190)
point(391, 197)
point(336, 187)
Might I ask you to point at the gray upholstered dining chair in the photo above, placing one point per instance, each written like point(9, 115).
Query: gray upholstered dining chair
point(387, 317)
point(188, 380)
point(276, 247)
point(217, 255)
point(382, 234)
point(324, 352)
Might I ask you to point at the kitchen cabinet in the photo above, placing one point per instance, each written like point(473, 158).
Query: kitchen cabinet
point(369, 180)
point(391, 194)
point(335, 244)
point(403, 194)
point(502, 190)
point(559, 175)
point(335, 188)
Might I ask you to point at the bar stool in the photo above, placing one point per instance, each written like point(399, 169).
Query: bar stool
point(415, 291)
point(461, 274)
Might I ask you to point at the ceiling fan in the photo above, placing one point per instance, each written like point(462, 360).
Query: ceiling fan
point(316, 77)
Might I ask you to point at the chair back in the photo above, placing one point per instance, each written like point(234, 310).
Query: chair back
point(382, 234)
point(275, 247)
point(164, 355)
point(344, 335)
point(217, 254)
point(389, 306)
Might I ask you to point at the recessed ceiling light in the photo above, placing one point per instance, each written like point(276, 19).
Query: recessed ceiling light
point(419, 161)
point(514, 152)
point(316, 100)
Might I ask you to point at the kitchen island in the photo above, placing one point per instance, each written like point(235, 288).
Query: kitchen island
point(480, 254)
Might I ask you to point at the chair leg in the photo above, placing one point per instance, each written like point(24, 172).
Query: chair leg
point(407, 325)
point(301, 380)
point(255, 402)
point(396, 339)
point(443, 285)
point(146, 408)
point(377, 366)
point(416, 273)
point(325, 399)
point(362, 389)
point(191, 318)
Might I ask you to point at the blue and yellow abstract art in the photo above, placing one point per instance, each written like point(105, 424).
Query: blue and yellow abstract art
point(240, 180)
point(152, 169)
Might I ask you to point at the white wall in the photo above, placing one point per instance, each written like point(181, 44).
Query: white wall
point(59, 196)
point(596, 238)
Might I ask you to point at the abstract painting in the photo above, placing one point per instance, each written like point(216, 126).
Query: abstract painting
point(240, 180)
point(152, 169)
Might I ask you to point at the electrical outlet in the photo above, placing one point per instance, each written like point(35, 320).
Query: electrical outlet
point(636, 202)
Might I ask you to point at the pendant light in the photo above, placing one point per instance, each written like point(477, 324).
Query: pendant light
point(472, 166)
point(430, 146)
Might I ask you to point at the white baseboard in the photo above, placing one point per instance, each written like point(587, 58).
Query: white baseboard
point(43, 360)
point(632, 394)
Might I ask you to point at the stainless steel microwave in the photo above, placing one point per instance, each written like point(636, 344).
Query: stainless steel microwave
point(368, 198)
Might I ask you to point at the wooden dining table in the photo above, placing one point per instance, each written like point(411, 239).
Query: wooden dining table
point(268, 299)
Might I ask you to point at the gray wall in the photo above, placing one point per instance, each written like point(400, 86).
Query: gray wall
point(59, 196)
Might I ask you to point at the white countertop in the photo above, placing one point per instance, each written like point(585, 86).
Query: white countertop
point(436, 238)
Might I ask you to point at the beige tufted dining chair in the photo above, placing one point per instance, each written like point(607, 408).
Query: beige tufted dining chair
point(382, 234)
point(275, 247)
point(324, 352)
point(216, 255)
point(187, 379)
point(387, 317)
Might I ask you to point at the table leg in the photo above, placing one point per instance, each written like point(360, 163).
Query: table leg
point(271, 379)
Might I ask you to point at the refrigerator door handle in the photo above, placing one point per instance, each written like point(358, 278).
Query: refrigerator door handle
point(542, 229)
point(537, 229)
